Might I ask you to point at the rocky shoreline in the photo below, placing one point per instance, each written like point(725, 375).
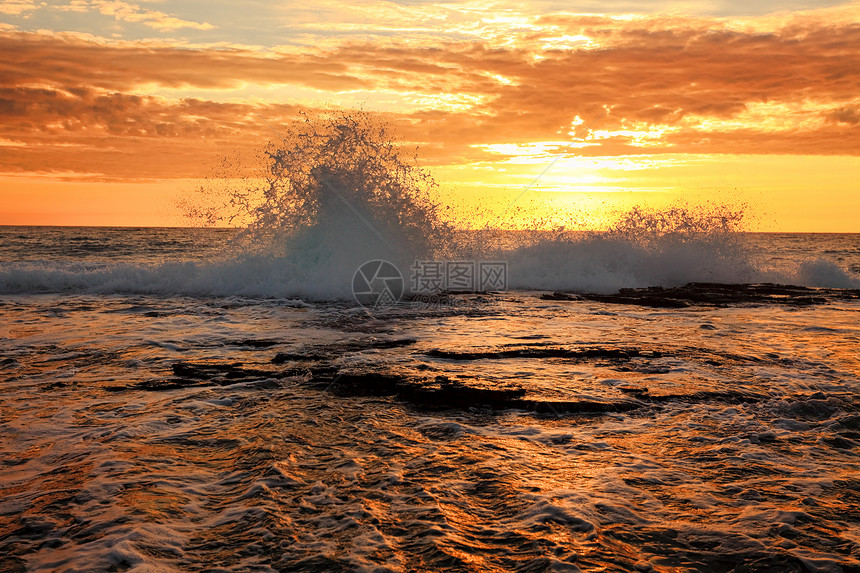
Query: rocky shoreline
point(714, 295)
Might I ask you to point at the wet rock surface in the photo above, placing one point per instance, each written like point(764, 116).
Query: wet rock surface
point(322, 353)
point(714, 294)
point(533, 351)
point(415, 376)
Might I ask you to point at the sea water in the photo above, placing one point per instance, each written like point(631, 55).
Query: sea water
point(166, 405)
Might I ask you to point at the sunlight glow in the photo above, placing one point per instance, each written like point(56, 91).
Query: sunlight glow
point(643, 97)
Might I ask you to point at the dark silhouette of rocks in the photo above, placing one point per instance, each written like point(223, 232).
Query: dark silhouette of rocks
point(714, 294)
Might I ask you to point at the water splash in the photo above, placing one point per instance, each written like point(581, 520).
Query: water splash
point(327, 194)
point(337, 190)
point(641, 247)
point(332, 183)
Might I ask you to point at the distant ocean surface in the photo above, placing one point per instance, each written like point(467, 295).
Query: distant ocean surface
point(205, 262)
point(169, 402)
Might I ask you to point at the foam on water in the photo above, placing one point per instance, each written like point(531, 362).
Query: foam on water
point(278, 473)
point(820, 272)
point(600, 263)
point(335, 192)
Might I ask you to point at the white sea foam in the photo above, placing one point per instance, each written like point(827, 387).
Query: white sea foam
point(338, 193)
point(818, 272)
point(324, 268)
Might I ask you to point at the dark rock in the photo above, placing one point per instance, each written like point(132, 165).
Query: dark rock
point(445, 393)
point(839, 442)
point(186, 375)
point(850, 422)
point(716, 294)
point(11, 564)
point(573, 406)
point(440, 393)
point(316, 354)
point(809, 409)
point(284, 357)
point(730, 396)
point(559, 296)
point(210, 372)
point(162, 384)
point(256, 343)
point(537, 352)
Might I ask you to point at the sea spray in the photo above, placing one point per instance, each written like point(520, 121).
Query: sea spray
point(332, 192)
point(642, 247)
point(331, 181)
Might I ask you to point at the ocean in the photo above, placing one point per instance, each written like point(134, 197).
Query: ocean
point(586, 402)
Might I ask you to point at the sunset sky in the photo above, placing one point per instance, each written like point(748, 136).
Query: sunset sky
point(111, 109)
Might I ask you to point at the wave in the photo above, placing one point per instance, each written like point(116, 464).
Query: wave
point(598, 264)
point(258, 276)
point(336, 192)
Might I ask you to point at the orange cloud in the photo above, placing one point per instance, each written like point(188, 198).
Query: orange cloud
point(128, 12)
point(583, 85)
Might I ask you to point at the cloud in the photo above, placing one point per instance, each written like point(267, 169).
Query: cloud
point(847, 114)
point(128, 12)
point(606, 85)
point(69, 60)
point(17, 7)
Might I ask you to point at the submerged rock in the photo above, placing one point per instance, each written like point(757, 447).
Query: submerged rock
point(327, 351)
point(537, 352)
point(444, 393)
point(202, 374)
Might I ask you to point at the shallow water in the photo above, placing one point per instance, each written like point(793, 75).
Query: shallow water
point(168, 408)
point(694, 439)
